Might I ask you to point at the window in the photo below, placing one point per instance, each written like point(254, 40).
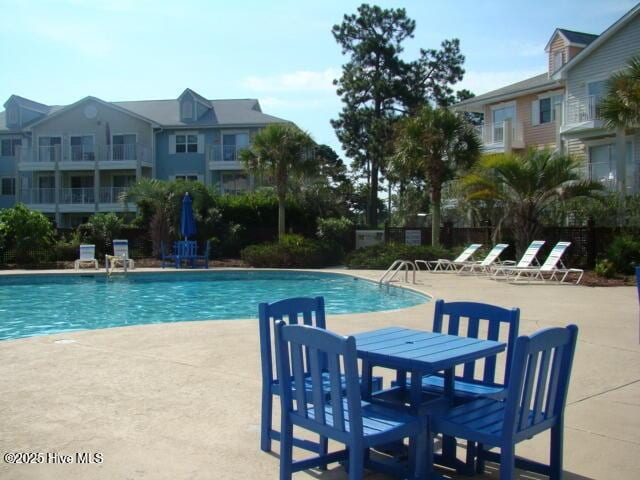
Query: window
point(499, 115)
point(597, 89)
point(557, 60)
point(187, 109)
point(556, 104)
point(186, 144)
point(9, 146)
point(82, 148)
point(545, 110)
point(8, 186)
point(187, 178)
point(123, 181)
point(603, 166)
point(124, 147)
point(232, 143)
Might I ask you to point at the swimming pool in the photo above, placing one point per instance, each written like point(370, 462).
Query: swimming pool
point(43, 304)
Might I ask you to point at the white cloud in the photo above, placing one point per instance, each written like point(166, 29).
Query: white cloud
point(301, 80)
point(481, 82)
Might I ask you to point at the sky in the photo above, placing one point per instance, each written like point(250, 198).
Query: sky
point(281, 52)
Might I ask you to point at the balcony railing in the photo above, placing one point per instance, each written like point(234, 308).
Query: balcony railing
point(111, 194)
point(38, 196)
point(84, 153)
point(231, 153)
point(606, 174)
point(78, 195)
point(494, 133)
point(582, 110)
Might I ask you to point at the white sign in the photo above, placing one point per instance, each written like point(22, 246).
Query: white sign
point(413, 237)
point(366, 238)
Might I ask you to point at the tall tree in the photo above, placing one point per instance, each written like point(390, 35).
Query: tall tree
point(525, 186)
point(277, 153)
point(435, 144)
point(377, 86)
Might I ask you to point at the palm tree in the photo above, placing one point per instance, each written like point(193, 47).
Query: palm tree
point(620, 108)
point(524, 186)
point(277, 153)
point(434, 144)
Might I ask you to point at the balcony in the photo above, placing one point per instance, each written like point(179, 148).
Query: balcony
point(112, 194)
point(495, 137)
point(38, 196)
point(583, 113)
point(73, 199)
point(82, 196)
point(606, 174)
point(83, 157)
point(226, 157)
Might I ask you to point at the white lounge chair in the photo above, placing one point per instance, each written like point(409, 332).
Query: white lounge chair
point(528, 260)
point(87, 255)
point(120, 256)
point(444, 264)
point(552, 266)
point(485, 265)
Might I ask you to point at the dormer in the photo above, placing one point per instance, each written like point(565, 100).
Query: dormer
point(21, 111)
point(192, 106)
point(564, 45)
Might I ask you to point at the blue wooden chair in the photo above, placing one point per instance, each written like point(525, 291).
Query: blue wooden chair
point(166, 256)
point(472, 383)
point(307, 311)
point(638, 281)
point(204, 258)
point(312, 399)
point(536, 396)
point(494, 319)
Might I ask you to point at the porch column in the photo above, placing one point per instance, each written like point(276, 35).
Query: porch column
point(559, 121)
point(56, 191)
point(507, 134)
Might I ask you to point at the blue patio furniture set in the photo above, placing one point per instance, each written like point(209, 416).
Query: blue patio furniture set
point(322, 390)
point(185, 251)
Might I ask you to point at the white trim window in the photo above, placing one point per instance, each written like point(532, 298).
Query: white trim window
point(9, 147)
point(499, 114)
point(543, 109)
point(233, 144)
point(187, 143)
point(13, 115)
point(82, 148)
point(186, 110)
point(7, 186)
point(558, 60)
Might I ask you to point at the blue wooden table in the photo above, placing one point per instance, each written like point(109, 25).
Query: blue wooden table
point(420, 353)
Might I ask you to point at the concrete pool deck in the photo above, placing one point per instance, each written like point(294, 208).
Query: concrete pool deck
point(182, 400)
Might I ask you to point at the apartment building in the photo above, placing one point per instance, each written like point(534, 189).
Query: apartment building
point(72, 161)
point(559, 109)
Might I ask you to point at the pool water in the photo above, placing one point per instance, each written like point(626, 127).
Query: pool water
point(44, 304)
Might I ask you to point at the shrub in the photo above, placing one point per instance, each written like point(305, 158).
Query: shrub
point(334, 229)
point(382, 256)
point(605, 268)
point(27, 232)
point(292, 251)
point(624, 253)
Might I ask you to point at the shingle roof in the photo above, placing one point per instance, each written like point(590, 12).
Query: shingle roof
point(539, 81)
point(578, 37)
point(167, 112)
point(25, 102)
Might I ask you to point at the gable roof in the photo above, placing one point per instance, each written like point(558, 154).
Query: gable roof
point(94, 99)
point(26, 103)
point(224, 112)
point(571, 37)
point(197, 96)
point(166, 113)
point(530, 85)
point(602, 38)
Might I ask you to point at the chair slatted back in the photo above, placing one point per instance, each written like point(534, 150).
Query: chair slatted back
point(468, 252)
point(300, 354)
point(555, 256)
point(539, 380)
point(295, 311)
point(494, 254)
point(477, 315)
point(530, 254)
point(185, 248)
point(121, 248)
point(87, 252)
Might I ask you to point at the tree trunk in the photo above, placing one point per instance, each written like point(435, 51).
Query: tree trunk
point(436, 197)
point(281, 213)
point(372, 207)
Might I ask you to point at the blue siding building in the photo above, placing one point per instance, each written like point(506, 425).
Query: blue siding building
point(74, 160)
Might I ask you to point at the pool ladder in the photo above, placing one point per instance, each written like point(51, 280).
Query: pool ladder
point(395, 268)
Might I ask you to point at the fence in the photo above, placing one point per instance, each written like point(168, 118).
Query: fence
point(587, 242)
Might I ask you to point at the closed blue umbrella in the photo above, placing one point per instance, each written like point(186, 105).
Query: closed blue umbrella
point(187, 222)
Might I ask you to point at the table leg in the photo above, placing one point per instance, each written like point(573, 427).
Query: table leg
point(449, 443)
point(367, 379)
